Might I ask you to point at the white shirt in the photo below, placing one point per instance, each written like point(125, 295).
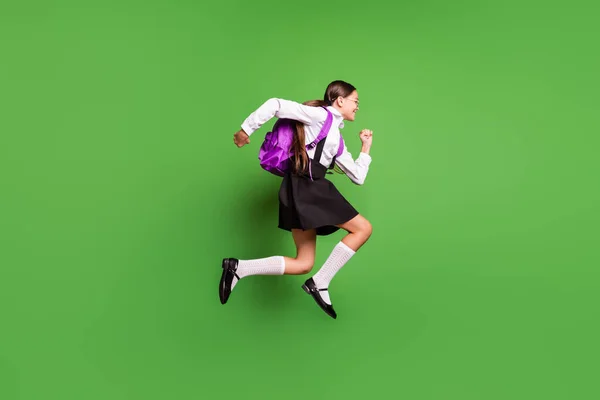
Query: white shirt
point(313, 119)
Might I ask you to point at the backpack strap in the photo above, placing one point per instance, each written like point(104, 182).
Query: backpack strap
point(324, 130)
point(341, 148)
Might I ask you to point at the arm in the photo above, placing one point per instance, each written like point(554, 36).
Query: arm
point(357, 170)
point(282, 109)
point(277, 108)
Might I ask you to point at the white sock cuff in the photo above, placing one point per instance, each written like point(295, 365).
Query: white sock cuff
point(346, 248)
point(282, 264)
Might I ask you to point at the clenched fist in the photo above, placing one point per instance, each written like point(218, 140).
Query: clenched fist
point(366, 137)
point(241, 138)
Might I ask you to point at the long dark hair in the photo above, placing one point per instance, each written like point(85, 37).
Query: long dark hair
point(334, 90)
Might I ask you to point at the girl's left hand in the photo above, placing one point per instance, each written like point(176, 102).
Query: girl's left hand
point(241, 138)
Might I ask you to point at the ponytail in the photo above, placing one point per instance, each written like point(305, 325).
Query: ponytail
point(299, 144)
point(299, 149)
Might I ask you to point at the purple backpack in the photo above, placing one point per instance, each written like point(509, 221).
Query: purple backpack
point(276, 150)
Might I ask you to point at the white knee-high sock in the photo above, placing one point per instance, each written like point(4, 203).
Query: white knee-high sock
point(263, 266)
point(337, 259)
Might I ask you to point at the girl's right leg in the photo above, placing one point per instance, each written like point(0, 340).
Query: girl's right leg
point(306, 247)
point(234, 269)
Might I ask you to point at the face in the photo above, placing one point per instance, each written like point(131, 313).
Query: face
point(348, 106)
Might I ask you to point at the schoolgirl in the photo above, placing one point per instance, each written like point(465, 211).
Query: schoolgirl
point(309, 204)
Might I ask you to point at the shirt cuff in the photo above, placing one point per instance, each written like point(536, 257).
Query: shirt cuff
point(247, 128)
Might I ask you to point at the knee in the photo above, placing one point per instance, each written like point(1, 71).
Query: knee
point(366, 229)
point(305, 266)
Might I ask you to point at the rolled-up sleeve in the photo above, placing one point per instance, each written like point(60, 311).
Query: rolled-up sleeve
point(281, 108)
point(357, 169)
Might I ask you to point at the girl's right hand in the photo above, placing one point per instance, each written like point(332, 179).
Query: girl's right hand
point(241, 138)
point(366, 137)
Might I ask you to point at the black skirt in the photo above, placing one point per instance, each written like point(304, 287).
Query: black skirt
point(310, 201)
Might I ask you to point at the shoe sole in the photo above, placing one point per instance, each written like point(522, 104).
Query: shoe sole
point(224, 266)
point(307, 290)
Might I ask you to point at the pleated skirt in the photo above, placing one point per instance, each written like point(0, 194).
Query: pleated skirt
point(312, 202)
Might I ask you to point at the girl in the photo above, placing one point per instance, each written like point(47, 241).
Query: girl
point(309, 204)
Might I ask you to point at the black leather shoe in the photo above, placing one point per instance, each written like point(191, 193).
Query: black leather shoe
point(229, 267)
point(310, 288)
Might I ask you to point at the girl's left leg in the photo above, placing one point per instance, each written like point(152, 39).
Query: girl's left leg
point(359, 230)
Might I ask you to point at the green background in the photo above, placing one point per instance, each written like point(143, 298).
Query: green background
point(121, 191)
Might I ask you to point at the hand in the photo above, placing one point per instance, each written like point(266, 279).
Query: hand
point(241, 138)
point(366, 137)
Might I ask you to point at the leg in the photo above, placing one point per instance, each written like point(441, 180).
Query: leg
point(359, 230)
point(234, 269)
point(306, 244)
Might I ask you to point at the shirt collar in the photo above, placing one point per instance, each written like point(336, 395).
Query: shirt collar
point(337, 115)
